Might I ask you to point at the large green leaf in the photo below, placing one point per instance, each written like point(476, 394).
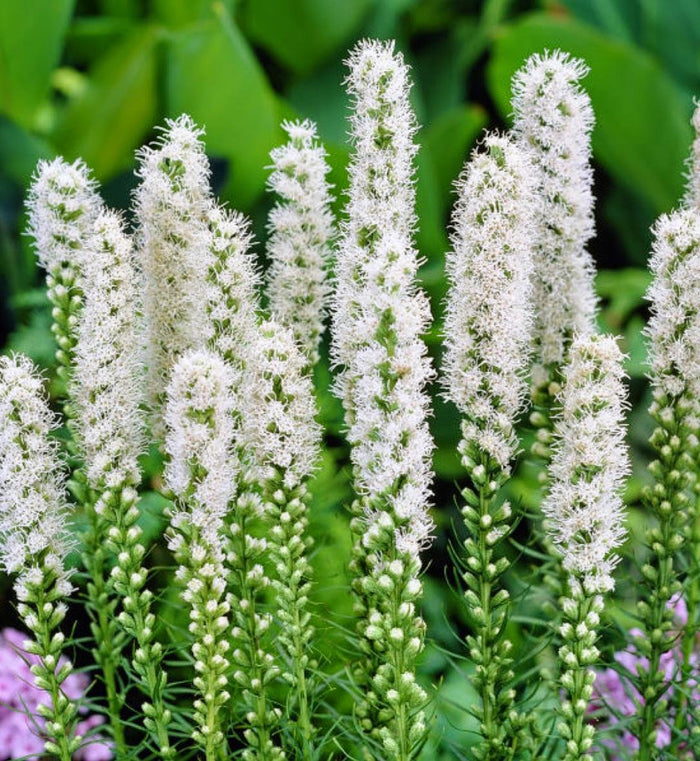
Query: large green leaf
point(31, 40)
point(302, 33)
point(643, 133)
point(213, 75)
point(114, 114)
point(449, 139)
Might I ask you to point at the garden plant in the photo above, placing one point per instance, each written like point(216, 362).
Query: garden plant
point(181, 588)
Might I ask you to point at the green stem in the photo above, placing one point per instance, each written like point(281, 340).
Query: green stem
point(105, 628)
point(42, 613)
point(288, 545)
point(668, 500)
point(129, 579)
point(256, 667)
point(578, 654)
point(502, 727)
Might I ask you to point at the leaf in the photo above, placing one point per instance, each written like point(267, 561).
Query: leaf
point(643, 133)
point(302, 34)
point(449, 139)
point(31, 40)
point(213, 75)
point(20, 151)
point(116, 111)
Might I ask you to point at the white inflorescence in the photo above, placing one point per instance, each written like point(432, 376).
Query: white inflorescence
point(590, 463)
point(63, 202)
point(173, 246)
point(379, 313)
point(674, 327)
point(553, 120)
point(279, 431)
point(33, 507)
point(232, 290)
point(488, 318)
point(107, 380)
point(201, 470)
point(301, 228)
point(692, 196)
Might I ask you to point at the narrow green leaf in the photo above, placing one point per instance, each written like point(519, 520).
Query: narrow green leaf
point(303, 33)
point(213, 75)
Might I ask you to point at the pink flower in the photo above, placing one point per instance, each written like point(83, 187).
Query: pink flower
point(21, 728)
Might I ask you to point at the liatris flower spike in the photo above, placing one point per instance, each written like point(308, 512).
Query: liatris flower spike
point(584, 505)
point(300, 226)
point(283, 438)
point(553, 121)
point(488, 322)
point(379, 315)
point(674, 351)
point(107, 391)
point(170, 204)
point(201, 473)
point(34, 540)
point(63, 203)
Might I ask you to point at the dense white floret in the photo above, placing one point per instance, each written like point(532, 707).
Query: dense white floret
point(33, 507)
point(108, 375)
point(674, 327)
point(378, 311)
point(63, 203)
point(488, 316)
point(279, 430)
point(201, 470)
point(554, 120)
point(301, 228)
point(173, 246)
point(590, 463)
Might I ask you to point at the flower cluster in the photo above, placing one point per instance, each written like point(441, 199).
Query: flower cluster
point(63, 203)
point(488, 314)
point(589, 464)
point(108, 371)
point(22, 727)
point(553, 121)
point(33, 507)
point(301, 228)
point(172, 239)
point(379, 315)
point(200, 472)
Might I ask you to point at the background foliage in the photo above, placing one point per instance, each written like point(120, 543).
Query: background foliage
point(90, 78)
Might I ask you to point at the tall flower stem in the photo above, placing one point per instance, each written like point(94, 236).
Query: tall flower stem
point(488, 524)
point(255, 666)
point(668, 501)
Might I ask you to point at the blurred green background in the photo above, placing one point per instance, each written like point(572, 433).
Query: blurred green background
point(91, 78)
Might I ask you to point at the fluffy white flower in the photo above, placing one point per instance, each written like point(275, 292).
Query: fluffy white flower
point(279, 432)
point(590, 463)
point(107, 379)
point(488, 317)
point(33, 508)
point(674, 327)
point(300, 227)
point(232, 290)
point(63, 202)
point(378, 311)
point(173, 246)
point(553, 120)
point(200, 471)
